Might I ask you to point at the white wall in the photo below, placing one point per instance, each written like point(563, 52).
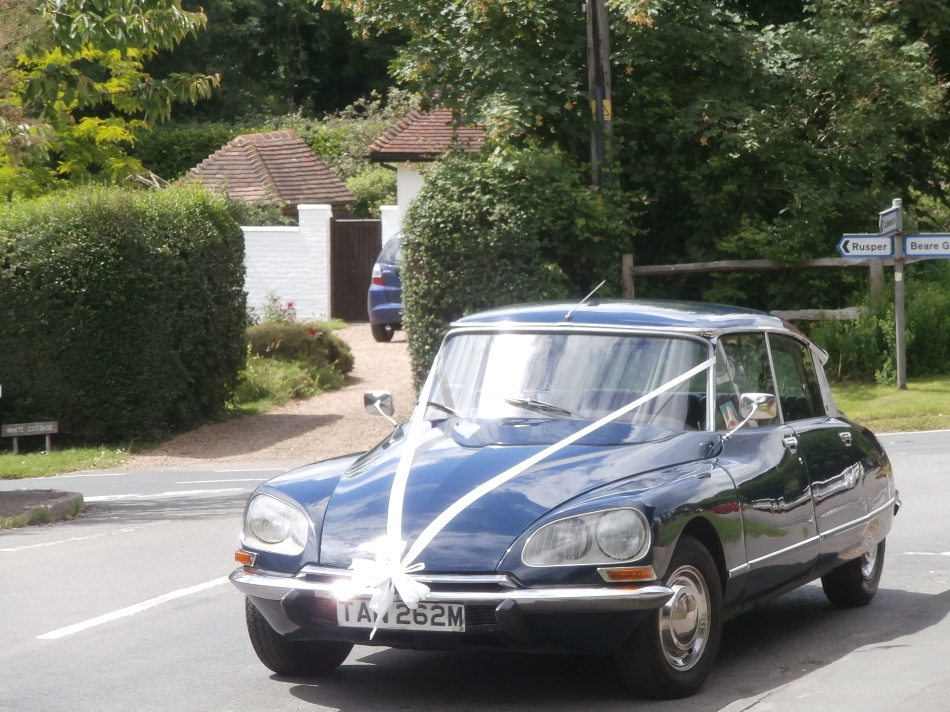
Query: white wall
point(391, 222)
point(291, 262)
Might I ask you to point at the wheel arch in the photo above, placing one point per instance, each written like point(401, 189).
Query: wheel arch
point(704, 532)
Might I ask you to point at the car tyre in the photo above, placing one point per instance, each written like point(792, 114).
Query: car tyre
point(854, 583)
point(294, 658)
point(672, 652)
point(382, 332)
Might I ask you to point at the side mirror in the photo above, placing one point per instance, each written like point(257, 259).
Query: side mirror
point(379, 403)
point(758, 406)
point(754, 406)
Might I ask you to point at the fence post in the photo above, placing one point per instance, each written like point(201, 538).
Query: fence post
point(627, 271)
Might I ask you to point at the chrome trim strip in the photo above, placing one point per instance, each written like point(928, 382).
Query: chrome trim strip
point(497, 579)
point(691, 333)
point(262, 584)
point(820, 537)
point(787, 549)
point(861, 520)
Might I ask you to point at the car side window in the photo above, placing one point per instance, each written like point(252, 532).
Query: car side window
point(798, 389)
point(742, 366)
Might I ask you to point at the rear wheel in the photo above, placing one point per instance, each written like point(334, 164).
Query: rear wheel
point(854, 584)
point(295, 658)
point(382, 332)
point(670, 655)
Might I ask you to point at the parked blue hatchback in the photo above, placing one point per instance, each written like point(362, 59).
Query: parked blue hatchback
point(384, 300)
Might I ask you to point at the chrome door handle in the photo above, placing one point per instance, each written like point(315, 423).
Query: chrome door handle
point(845, 438)
point(791, 442)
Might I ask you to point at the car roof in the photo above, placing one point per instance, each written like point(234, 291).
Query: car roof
point(659, 314)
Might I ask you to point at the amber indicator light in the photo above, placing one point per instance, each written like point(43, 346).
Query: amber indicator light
point(629, 573)
point(244, 557)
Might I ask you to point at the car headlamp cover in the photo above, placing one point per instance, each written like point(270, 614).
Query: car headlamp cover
point(273, 525)
point(607, 537)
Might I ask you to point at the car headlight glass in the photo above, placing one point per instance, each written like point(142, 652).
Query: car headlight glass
point(274, 525)
point(605, 537)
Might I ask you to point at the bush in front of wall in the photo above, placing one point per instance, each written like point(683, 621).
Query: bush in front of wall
point(123, 311)
point(312, 345)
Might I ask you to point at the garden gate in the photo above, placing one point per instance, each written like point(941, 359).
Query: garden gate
point(354, 246)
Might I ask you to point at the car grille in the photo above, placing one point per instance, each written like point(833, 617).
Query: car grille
point(479, 615)
point(322, 610)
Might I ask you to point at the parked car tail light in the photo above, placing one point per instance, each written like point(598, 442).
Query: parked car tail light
point(605, 537)
point(377, 275)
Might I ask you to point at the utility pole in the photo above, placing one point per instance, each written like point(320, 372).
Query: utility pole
point(598, 83)
point(899, 299)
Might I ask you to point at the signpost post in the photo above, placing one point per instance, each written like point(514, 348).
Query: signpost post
point(891, 222)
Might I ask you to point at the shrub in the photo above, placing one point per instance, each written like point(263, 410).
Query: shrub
point(313, 345)
point(123, 311)
point(372, 188)
point(511, 227)
point(171, 151)
point(271, 381)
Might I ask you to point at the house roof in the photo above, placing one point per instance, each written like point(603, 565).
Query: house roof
point(424, 137)
point(277, 166)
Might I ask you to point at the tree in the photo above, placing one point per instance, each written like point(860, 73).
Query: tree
point(82, 85)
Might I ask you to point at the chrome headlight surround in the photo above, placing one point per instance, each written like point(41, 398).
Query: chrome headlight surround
point(608, 536)
point(271, 524)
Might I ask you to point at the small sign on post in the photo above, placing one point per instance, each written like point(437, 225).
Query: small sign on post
point(928, 245)
point(863, 246)
point(20, 430)
point(891, 221)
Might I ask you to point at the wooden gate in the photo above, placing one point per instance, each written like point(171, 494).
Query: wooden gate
point(354, 247)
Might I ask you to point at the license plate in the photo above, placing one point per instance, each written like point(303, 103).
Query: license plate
point(426, 616)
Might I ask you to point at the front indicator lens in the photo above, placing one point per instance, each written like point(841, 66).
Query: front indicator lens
point(274, 525)
point(621, 535)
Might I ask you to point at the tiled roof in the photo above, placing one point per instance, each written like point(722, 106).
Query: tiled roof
point(277, 166)
point(424, 137)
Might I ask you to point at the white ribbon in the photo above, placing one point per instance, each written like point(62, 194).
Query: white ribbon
point(388, 574)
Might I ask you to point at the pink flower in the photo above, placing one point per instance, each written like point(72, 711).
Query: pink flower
point(313, 332)
point(290, 305)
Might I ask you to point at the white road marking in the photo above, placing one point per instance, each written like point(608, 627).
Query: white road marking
point(927, 553)
point(211, 482)
point(914, 432)
point(131, 610)
point(90, 536)
point(96, 474)
point(256, 469)
point(179, 493)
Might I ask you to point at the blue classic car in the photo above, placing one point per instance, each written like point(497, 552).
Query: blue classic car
point(614, 477)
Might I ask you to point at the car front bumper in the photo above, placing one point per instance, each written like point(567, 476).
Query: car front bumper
point(586, 618)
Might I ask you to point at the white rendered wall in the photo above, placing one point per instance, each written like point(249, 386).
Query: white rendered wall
point(291, 262)
point(408, 183)
point(391, 224)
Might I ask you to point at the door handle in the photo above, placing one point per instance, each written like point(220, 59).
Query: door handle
point(791, 442)
point(845, 438)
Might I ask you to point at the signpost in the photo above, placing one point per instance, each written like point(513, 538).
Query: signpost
point(928, 245)
point(19, 430)
point(864, 246)
point(891, 221)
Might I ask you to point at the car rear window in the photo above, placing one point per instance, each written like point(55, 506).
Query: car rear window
point(391, 253)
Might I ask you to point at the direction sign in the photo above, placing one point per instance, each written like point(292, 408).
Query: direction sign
point(863, 246)
point(890, 221)
point(928, 245)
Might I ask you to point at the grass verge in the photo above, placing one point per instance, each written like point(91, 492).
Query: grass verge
point(925, 405)
point(41, 464)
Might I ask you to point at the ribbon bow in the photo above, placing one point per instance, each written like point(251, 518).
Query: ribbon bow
point(384, 576)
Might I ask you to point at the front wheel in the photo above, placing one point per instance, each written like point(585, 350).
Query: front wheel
point(854, 584)
point(382, 332)
point(294, 658)
point(672, 652)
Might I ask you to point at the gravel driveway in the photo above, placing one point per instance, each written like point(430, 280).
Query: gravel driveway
point(300, 431)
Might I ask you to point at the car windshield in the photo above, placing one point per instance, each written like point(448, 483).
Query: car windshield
point(578, 377)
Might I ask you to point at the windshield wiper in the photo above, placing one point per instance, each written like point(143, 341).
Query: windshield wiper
point(444, 408)
point(534, 404)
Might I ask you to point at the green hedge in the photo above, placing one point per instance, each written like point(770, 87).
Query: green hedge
point(864, 349)
point(512, 227)
point(123, 311)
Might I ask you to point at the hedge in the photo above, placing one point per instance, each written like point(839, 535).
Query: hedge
point(123, 311)
point(512, 227)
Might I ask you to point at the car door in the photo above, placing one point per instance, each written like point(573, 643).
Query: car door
point(777, 512)
point(830, 446)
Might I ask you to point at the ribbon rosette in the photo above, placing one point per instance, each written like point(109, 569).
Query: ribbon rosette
point(384, 576)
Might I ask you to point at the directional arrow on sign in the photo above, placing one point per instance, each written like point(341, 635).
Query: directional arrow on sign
point(864, 246)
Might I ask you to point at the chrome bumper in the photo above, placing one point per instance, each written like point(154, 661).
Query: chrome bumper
point(270, 585)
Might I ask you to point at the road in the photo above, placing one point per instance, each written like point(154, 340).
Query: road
point(126, 608)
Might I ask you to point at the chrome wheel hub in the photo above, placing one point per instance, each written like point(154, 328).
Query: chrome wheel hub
point(684, 619)
point(868, 564)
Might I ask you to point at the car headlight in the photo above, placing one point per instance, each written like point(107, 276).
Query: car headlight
point(608, 537)
point(274, 525)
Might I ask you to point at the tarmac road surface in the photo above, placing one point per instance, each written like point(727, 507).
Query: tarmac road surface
point(128, 608)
